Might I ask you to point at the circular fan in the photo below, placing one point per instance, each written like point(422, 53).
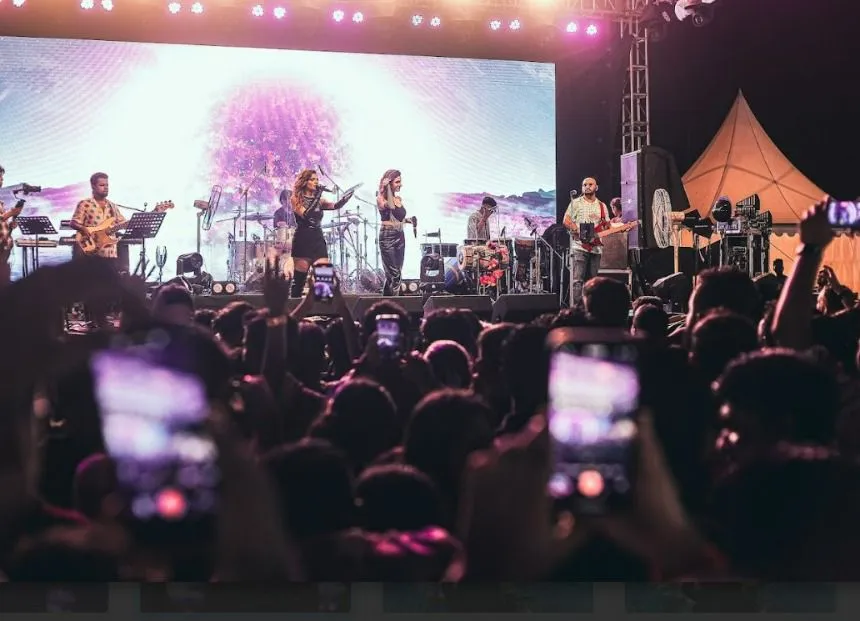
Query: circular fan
point(661, 210)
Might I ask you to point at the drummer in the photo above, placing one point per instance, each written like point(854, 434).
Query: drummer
point(284, 223)
point(478, 227)
point(284, 215)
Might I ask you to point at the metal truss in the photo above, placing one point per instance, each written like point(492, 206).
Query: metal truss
point(636, 105)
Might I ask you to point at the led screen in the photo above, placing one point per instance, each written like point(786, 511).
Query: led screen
point(168, 122)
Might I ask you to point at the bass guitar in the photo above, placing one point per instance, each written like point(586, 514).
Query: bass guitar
point(603, 229)
point(104, 234)
point(7, 224)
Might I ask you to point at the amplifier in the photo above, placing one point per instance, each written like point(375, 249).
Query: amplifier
point(443, 250)
point(625, 276)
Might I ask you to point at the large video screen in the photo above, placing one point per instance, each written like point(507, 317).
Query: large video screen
point(169, 122)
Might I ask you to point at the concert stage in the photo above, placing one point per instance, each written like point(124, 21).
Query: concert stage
point(511, 307)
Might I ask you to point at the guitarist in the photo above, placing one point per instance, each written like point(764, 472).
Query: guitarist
point(93, 211)
point(7, 223)
point(590, 211)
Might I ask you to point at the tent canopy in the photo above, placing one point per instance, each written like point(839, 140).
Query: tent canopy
point(742, 160)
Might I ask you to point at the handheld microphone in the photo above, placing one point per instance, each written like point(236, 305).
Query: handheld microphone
point(323, 188)
point(414, 227)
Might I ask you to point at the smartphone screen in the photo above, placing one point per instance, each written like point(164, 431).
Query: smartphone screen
point(323, 283)
point(388, 334)
point(844, 214)
point(153, 427)
point(593, 399)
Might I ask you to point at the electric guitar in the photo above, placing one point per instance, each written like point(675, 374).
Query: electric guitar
point(603, 229)
point(7, 224)
point(104, 234)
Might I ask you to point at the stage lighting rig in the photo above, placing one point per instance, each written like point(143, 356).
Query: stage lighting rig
point(701, 11)
point(656, 18)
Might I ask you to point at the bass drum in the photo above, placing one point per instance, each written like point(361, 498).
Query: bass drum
point(282, 239)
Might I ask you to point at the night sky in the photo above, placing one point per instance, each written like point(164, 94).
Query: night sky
point(798, 64)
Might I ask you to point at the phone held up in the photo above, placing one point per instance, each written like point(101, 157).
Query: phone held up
point(388, 337)
point(594, 394)
point(153, 422)
point(844, 215)
point(324, 284)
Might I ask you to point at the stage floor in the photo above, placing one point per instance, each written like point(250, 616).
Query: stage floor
point(505, 308)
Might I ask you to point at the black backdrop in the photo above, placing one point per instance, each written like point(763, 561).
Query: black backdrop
point(588, 95)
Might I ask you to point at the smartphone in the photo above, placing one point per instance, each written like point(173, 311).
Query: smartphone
point(844, 214)
point(324, 283)
point(594, 394)
point(153, 425)
point(388, 337)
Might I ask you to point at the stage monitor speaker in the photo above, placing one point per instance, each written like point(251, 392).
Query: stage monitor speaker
point(644, 172)
point(413, 305)
point(481, 305)
point(524, 307)
point(675, 289)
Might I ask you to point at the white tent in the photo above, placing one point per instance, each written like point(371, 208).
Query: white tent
point(742, 160)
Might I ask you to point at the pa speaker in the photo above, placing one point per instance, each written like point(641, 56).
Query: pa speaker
point(644, 172)
point(524, 307)
point(411, 304)
point(481, 305)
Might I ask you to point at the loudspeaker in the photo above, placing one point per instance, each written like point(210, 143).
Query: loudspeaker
point(481, 305)
point(411, 304)
point(524, 307)
point(642, 173)
point(675, 288)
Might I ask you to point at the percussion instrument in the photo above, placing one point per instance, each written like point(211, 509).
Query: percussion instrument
point(491, 256)
point(254, 251)
point(258, 217)
point(282, 238)
point(524, 248)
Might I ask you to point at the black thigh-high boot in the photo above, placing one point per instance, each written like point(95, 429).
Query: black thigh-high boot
point(298, 286)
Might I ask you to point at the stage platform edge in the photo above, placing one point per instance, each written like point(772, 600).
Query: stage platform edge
point(416, 306)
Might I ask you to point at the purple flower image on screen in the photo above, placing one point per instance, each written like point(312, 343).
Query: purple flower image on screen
point(284, 127)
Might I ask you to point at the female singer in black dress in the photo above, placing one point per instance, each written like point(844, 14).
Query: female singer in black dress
point(392, 241)
point(308, 241)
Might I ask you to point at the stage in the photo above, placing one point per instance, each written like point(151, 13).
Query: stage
point(510, 307)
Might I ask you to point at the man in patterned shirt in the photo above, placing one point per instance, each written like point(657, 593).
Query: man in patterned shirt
point(586, 209)
point(93, 211)
point(6, 225)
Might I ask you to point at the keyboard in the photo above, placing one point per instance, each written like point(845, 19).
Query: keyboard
point(36, 243)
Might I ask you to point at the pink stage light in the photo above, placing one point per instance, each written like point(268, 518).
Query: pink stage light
point(279, 12)
point(197, 8)
point(495, 24)
point(515, 25)
point(435, 22)
point(591, 30)
point(358, 17)
point(417, 20)
point(107, 5)
point(257, 10)
point(338, 15)
point(174, 7)
point(87, 4)
point(572, 27)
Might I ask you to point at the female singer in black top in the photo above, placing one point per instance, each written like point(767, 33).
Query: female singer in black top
point(308, 242)
point(392, 241)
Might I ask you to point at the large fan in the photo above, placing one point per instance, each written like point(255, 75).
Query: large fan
point(661, 210)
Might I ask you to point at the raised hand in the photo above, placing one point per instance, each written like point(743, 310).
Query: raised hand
point(276, 289)
point(815, 228)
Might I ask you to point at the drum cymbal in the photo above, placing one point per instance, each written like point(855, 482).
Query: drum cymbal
point(258, 217)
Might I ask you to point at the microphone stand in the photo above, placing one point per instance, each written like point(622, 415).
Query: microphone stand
point(244, 198)
point(376, 228)
point(343, 259)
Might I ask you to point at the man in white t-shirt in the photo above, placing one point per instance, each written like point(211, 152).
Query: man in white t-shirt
point(585, 216)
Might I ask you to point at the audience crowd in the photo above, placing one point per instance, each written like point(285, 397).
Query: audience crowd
point(338, 462)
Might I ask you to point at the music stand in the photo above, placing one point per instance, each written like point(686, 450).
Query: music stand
point(33, 226)
point(143, 226)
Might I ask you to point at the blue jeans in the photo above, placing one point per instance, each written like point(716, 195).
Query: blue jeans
point(585, 267)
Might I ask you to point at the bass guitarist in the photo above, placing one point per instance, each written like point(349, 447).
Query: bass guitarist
point(588, 219)
point(91, 212)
